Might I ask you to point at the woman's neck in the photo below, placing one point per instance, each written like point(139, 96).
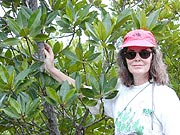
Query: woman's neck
point(139, 80)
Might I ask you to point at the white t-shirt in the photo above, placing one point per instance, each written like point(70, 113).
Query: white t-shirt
point(139, 110)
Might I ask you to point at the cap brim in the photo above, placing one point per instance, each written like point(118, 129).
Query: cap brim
point(141, 43)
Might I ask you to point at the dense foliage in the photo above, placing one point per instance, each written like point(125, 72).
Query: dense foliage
point(85, 36)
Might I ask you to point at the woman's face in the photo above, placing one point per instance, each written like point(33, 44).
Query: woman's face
point(139, 66)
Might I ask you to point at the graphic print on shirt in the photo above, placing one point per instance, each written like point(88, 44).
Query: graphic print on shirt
point(128, 121)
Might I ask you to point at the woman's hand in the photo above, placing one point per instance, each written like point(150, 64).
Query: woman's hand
point(49, 60)
point(49, 66)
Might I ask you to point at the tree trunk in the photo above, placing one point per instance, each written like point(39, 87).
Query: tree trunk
point(48, 109)
point(52, 119)
point(32, 4)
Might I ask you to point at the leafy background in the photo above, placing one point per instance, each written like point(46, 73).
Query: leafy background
point(85, 36)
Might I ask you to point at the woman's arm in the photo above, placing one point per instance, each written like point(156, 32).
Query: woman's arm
point(59, 76)
point(49, 67)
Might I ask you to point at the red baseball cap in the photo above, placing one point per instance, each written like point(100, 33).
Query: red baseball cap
point(139, 37)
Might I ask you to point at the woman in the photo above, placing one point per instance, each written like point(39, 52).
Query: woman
point(144, 105)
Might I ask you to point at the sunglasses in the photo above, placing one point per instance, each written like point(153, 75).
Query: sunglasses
point(144, 54)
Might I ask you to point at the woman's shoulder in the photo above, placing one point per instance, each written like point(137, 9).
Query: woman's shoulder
point(165, 92)
point(164, 89)
point(120, 86)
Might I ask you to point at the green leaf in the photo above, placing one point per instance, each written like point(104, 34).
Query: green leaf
point(115, 35)
point(152, 19)
point(10, 42)
point(66, 30)
point(69, 95)
point(64, 90)
point(11, 80)
point(100, 30)
point(159, 27)
point(3, 86)
point(70, 55)
point(50, 29)
point(79, 51)
point(89, 102)
point(102, 81)
point(143, 19)
point(57, 47)
point(3, 36)
point(93, 56)
point(90, 28)
point(51, 101)
point(14, 104)
point(22, 75)
point(24, 32)
point(22, 101)
point(13, 26)
point(34, 20)
point(25, 84)
point(135, 20)
point(31, 108)
point(8, 54)
point(53, 94)
point(22, 20)
point(94, 82)
point(111, 47)
point(89, 52)
point(70, 11)
point(101, 107)
point(59, 4)
point(4, 74)
point(111, 94)
point(35, 31)
point(51, 16)
point(41, 37)
point(83, 11)
point(63, 23)
point(2, 97)
point(36, 65)
point(107, 23)
point(11, 113)
point(122, 18)
point(110, 84)
point(44, 14)
point(87, 92)
point(71, 100)
point(78, 82)
point(26, 11)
